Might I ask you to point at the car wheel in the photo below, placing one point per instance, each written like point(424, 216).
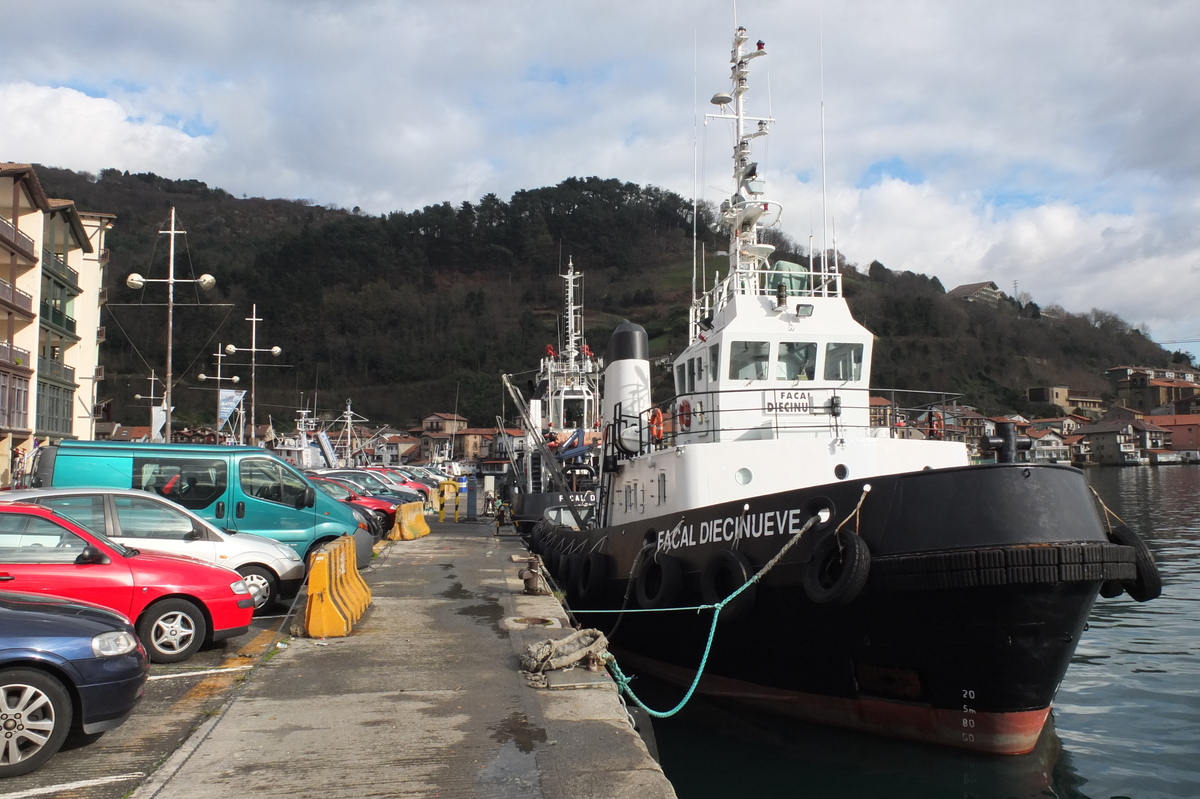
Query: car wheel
point(35, 717)
point(262, 579)
point(172, 630)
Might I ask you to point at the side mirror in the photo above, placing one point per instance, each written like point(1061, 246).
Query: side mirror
point(92, 556)
point(307, 499)
point(195, 534)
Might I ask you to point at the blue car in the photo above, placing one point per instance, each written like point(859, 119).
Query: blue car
point(63, 665)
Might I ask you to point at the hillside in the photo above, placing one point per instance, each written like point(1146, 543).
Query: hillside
point(411, 312)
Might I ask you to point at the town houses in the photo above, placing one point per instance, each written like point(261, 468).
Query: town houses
point(1151, 416)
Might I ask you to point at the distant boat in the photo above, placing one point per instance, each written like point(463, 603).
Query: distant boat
point(563, 421)
point(894, 587)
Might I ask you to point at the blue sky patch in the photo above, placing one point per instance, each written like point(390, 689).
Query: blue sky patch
point(894, 167)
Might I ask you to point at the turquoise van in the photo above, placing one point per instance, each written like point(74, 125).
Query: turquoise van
point(241, 489)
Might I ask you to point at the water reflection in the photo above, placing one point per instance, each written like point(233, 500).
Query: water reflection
point(1126, 721)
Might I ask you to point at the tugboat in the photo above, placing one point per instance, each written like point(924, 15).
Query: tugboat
point(887, 584)
point(557, 464)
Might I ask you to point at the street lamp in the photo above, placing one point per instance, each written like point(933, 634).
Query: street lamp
point(232, 379)
point(253, 349)
point(136, 281)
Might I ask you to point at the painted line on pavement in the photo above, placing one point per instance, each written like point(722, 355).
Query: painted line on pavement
point(195, 674)
point(73, 786)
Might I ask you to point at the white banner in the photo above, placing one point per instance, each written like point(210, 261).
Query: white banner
point(230, 399)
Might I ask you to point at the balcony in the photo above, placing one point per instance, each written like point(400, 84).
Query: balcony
point(53, 370)
point(58, 318)
point(58, 267)
point(14, 356)
point(15, 297)
point(22, 242)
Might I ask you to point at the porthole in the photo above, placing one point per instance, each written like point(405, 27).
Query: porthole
point(743, 476)
point(841, 472)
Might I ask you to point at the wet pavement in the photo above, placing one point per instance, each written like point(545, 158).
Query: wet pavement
point(424, 698)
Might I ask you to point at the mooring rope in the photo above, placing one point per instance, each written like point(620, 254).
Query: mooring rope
point(623, 680)
point(1108, 512)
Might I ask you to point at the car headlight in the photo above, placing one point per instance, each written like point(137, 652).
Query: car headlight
point(107, 645)
point(240, 587)
point(287, 553)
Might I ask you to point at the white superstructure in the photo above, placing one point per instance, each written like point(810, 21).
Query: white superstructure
point(772, 392)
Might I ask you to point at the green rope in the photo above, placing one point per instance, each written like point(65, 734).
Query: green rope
point(623, 680)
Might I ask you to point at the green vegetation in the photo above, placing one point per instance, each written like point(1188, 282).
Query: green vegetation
point(410, 312)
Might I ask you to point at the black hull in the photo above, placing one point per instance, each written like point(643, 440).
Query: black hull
point(980, 583)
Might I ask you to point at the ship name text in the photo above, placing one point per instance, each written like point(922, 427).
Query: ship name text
point(731, 528)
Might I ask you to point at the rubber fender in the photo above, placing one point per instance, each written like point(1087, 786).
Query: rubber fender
point(659, 581)
point(566, 570)
point(727, 571)
point(591, 576)
point(838, 569)
point(1148, 583)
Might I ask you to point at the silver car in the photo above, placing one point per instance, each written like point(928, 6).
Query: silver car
point(143, 520)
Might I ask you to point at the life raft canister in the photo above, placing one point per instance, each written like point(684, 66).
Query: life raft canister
point(685, 414)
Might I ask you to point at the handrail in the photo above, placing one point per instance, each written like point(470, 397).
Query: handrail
point(22, 239)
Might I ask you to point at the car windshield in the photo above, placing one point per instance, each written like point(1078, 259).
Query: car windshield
point(332, 489)
point(27, 530)
point(370, 480)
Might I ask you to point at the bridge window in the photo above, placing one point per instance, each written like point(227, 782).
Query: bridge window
point(748, 360)
point(797, 361)
point(843, 361)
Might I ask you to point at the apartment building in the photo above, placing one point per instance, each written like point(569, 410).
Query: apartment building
point(52, 258)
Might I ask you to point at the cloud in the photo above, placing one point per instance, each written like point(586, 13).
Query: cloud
point(65, 126)
point(1053, 144)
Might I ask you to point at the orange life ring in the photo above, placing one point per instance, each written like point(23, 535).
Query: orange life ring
point(685, 414)
point(937, 426)
point(656, 424)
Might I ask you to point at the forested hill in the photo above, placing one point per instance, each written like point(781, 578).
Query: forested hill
point(411, 312)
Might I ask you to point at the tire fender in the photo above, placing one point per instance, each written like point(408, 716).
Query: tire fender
point(659, 581)
point(838, 569)
point(591, 576)
point(1148, 584)
point(725, 572)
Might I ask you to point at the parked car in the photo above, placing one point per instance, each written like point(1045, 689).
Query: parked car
point(365, 484)
point(63, 665)
point(398, 477)
point(147, 521)
point(384, 510)
point(378, 483)
point(177, 603)
point(246, 489)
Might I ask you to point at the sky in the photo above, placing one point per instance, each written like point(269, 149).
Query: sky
point(1054, 147)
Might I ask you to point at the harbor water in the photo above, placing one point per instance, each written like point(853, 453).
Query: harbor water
point(1126, 721)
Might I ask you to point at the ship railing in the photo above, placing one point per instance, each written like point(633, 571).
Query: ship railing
point(772, 411)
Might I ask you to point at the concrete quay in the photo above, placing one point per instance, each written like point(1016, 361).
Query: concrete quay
point(424, 698)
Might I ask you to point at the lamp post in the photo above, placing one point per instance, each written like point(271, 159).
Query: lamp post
point(219, 355)
point(253, 349)
point(136, 281)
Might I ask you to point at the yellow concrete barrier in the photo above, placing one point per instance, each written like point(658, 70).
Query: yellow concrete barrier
point(337, 595)
point(410, 522)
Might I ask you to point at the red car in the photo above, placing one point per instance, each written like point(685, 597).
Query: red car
point(385, 511)
point(177, 603)
point(399, 478)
